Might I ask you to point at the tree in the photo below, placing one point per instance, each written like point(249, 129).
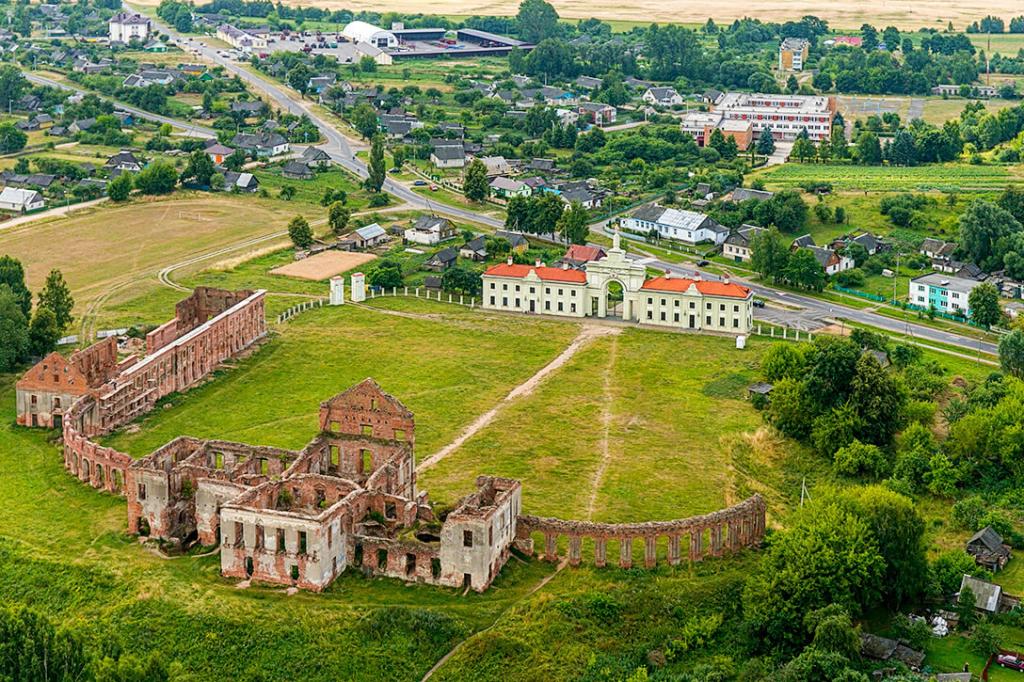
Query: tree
point(1011, 353)
point(984, 229)
point(235, 161)
point(536, 21)
point(300, 232)
point(364, 119)
point(34, 650)
point(826, 556)
point(387, 274)
point(338, 216)
point(13, 275)
point(200, 168)
point(12, 85)
point(56, 296)
point(14, 339)
point(966, 609)
point(376, 171)
point(573, 225)
point(158, 177)
point(869, 149)
point(298, 78)
point(120, 187)
point(803, 270)
point(879, 400)
point(461, 279)
point(769, 254)
point(766, 142)
point(859, 459)
point(475, 184)
point(783, 361)
point(43, 332)
point(785, 210)
point(11, 139)
point(984, 304)
point(840, 147)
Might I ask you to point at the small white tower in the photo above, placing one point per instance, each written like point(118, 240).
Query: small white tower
point(337, 291)
point(358, 287)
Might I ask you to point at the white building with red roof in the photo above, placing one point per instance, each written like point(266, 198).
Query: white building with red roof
point(618, 288)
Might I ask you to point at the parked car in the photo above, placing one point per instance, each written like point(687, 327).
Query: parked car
point(420, 183)
point(433, 188)
point(703, 263)
point(1010, 661)
point(758, 303)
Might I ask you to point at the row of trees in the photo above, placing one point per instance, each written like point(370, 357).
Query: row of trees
point(547, 214)
point(25, 333)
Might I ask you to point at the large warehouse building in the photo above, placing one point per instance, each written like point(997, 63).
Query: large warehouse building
point(362, 32)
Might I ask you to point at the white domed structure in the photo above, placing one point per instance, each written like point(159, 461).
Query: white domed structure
point(362, 32)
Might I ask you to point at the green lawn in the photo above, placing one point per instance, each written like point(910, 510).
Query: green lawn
point(311, 191)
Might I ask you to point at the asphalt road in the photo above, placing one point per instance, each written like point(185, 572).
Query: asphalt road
point(190, 128)
point(338, 147)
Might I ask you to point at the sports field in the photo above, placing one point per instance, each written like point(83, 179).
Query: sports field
point(323, 265)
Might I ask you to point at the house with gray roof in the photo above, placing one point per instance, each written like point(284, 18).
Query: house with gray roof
point(689, 227)
point(988, 549)
point(737, 245)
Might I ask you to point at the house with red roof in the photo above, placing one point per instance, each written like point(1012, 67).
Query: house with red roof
point(612, 285)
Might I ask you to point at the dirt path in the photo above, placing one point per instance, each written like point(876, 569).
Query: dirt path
point(606, 427)
point(587, 334)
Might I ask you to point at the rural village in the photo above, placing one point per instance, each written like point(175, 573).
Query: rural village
point(556, 343)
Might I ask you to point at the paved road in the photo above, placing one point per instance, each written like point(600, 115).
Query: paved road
point(337, 146)
point(190, 128)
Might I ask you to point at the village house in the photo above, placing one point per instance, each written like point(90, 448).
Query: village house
point(496, 165)
point(21, 200)
point(737, 245)
point(314, 157)
point(662, 96)
point(830, 260)
point(945, 293)
point(297, 170)
point(448, 156)
point(506, 188)
point(588, 82)
point(429, 230)
point(261, 144)
point(218, 153)
point(124, 160)
point(442, 260)
point(578, 255)
point(475, 249)
point(597, 113)
point(670, 223)
point(368, 236)
point(240, 182)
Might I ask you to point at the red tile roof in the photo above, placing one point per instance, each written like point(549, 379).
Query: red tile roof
point(545, 273)
point(584, 253)
point(681, 284)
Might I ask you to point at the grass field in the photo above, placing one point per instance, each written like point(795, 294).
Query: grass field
point(103, 248)
point(945, 177)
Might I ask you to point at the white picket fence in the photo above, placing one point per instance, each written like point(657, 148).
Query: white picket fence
point(413, 292)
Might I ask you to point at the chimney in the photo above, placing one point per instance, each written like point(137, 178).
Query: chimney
point(509, 259)
point(725, 279)
point(565, 265)
point(538, 263)
point(696, 277)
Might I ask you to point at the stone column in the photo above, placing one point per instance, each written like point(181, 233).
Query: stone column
point(716, 540)
point(600, 552)
point(696, 544)
point(733, 538)
point(626, 553)
point(651, 551)
point(575, 541)
point(673, 550)
point(550, 547)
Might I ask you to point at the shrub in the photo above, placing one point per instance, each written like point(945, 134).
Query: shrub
point(967, 513)
point(857, 459)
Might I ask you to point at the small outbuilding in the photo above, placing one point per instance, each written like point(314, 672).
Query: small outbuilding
point(988, 549)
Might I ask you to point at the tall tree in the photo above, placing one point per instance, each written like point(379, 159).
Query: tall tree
point(769, 254)
point(1011, 353)
point(984, 231)
point(573, 224)
point(364, 119)
point(14, 341)
point(300, 232)
point(120, 187)
point(43, 332)
point(766, 142)
point(475, 184)
point(56, 295)
point(376, 168)
point(200, 168)
point(338, 216)
point(13, 275)
point(12, 85)
point(536, 21)
point(869, 149)
point(984, 304)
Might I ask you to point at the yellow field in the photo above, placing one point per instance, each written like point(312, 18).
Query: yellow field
point(903, 13)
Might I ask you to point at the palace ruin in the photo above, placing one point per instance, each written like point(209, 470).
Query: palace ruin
point(347, 499)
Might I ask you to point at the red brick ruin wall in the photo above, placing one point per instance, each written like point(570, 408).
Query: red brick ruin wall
point(730, 529)
point(105, 468)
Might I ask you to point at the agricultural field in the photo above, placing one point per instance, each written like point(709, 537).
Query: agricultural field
point(942, 177)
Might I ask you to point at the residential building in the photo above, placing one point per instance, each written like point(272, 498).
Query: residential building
point(124, 160)
point(218, 153)
point(793, 54)
point(240, 182)
point(831, 261)
point(496, 165)
point(516, 240)
point(597, 113)
point(368, 236)
point(20, 200)
point(314, 157)
point(737, 245)
point(240, 39)
point(127, 26)
point(744, 194)
point(685, 226)
point(261, 144)
point(945, 293)
point(442, 260)
point(673, 302)
point(662, 96)
point(506, 188)
point(588, 82)
point(448, 156)
point(297, 170)
point(578, 255)
point(430, 230)
point(786, 115)
point(475, 249)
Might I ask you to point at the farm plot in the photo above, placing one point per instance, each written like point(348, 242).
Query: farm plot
point(944, 177)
